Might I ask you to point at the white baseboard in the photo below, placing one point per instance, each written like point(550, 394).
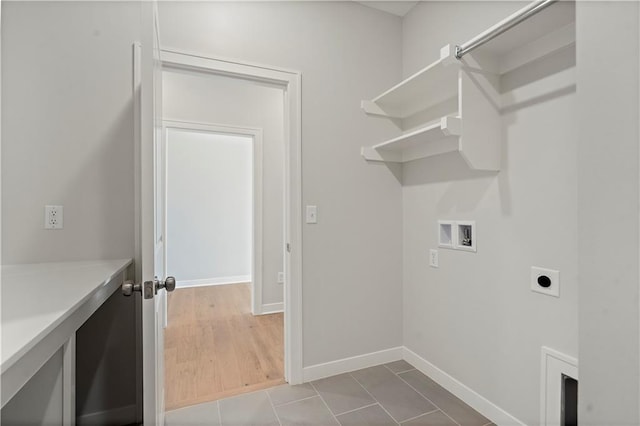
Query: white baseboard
point(116, 416)
point(214, 281)
point(345, 365)
point(271, 308)
point(479, 403)
point(485, 407)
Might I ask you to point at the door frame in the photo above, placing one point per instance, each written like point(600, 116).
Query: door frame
point(290, 81)
point(256, 193)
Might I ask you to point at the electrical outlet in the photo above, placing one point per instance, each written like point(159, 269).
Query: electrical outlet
point(545, 281)
point(280, 277)
point(53, 217)
point(433, 258)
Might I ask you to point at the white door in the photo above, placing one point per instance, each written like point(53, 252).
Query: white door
point(150, 213)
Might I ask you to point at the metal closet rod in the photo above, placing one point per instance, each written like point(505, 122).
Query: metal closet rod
point(502, 26)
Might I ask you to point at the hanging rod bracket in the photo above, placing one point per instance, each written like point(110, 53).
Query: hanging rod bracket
point(457, 52)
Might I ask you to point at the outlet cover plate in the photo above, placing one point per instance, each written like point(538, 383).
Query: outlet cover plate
point(53, 217)
point(553, 275)
point(433, 258)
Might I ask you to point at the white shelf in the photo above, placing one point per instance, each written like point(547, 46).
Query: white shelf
point(428, 87)
point(542, 33)
point(440, 98)
point(460, 105)
point(438, 138)
point(462, 97)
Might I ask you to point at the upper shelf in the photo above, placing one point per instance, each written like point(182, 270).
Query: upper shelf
point(546, 31)
point(543, 23)
point(439, 80)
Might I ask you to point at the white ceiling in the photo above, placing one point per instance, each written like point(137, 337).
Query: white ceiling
point(399, 8)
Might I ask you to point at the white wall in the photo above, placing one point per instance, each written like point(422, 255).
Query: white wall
point(209, 205)
point(67, 129)
point(608, 172)
point(67, 138)
point(475, 316)
point(346, 52)
point(226, 101)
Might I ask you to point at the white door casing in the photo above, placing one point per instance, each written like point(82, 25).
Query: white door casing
point(149, 154)
point(256, 251)
point(290, 81)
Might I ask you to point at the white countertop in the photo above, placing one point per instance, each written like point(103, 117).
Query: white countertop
point(36, 298)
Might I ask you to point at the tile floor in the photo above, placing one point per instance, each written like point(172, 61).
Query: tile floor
point(390, 394)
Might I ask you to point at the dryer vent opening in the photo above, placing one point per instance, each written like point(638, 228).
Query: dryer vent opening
point(569, 401)
point(559, 389)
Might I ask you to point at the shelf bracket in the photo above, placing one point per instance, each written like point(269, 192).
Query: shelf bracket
point(371, 154)
point(448, 54)
point(451, 126)
point(371, 108)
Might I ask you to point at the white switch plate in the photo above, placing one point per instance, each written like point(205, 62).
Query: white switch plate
point(433, 258)
point(554, 277)
point(280, 277)
point(53, 217)
point(312, 214)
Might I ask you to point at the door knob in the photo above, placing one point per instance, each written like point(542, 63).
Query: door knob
point(149, 288)
point(168, 284)
point(128, 287)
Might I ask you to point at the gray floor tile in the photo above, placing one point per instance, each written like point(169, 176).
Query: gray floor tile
point(373, 415)
point(310, 412)
point(342, 393)
point(201, 414)
point(287, 393)
point(393, 394)
point(446, 401)
point(251, 409)
point(399, 366)
point(432, 419)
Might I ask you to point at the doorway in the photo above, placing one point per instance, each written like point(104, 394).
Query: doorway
point(214, 207)
point(225, 238)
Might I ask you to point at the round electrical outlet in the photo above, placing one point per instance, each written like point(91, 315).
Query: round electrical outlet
point(544, 281)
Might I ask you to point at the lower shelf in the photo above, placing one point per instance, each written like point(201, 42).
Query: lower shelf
point(435, 139)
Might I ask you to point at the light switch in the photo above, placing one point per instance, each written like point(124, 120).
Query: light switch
point(312, 214)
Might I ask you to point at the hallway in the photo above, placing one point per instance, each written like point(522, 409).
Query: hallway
point(215, 348)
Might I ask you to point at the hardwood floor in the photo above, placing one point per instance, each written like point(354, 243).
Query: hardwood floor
point(215, 347)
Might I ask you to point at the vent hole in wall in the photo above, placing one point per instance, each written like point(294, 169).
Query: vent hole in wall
point(559, 402)
point(569, 401)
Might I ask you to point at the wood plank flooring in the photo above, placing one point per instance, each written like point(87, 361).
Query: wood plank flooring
point(215, 347)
